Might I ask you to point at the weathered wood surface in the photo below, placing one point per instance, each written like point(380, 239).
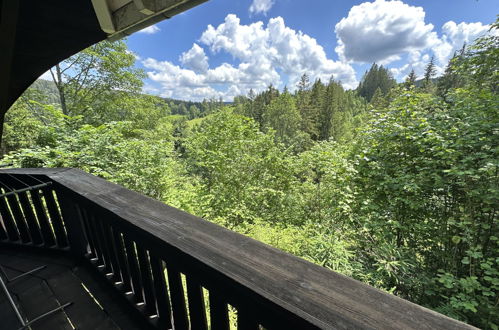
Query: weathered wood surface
point(274, 287)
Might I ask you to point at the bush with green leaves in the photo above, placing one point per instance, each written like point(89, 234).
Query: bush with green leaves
point(245, 176)
point(426, 196)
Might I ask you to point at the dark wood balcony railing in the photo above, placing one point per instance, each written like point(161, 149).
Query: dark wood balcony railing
point(175, 270)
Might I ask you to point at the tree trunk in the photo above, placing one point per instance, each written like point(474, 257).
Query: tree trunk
point(60, 87)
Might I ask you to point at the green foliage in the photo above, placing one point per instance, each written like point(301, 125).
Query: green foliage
point(429, 72)
point(283, 118)
point(95, 82)
point(403, 196)
point(426, 199)
point(245, 177)
point(22, 134)
point(410, 81)
point(481, 62)
point(307, 241)
point(376, 77)
point(143, 161)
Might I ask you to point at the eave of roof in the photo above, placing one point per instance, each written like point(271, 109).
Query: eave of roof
point(35, 35)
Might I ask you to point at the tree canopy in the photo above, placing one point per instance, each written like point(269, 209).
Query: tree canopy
point(393, 184)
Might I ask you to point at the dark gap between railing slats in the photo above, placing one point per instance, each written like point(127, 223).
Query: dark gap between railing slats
point(55, 217)
point(14, 203)
point(180, 321)
point(197, 308)
point(120, 252)
point(99, 254)
point(19, 218)
point(161, 292)
point(88, 232)
point(3, 228)
point(80, 220)
point(145, 272)
point(113, 254)
point(219, 313)
point(105, 244)
point(134, 269)
point(29, 215)
point(8, 220)
point(245, 321)
point(3, 233)
point(43, 220)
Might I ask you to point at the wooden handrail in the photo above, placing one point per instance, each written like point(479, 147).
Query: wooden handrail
point(132, 239)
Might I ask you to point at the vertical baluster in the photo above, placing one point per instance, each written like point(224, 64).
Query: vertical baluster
point(88, 232)
point(161, 291)
point(197, 309)
point(3, 233)
point(19, 218)
point(93, 231)
point(134, 268)
point(180, 321)
point(47, 233)
point(29, 215)
point(113, 254)
point(77, 237)
point(105, 244)
point(219, 313)
point(145, 272)
point(3, 225)
point(8, 221)
point(245, 321)
point(120, 252)
point(55, 217)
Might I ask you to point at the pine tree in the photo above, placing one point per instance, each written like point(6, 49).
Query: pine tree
point(410, 81)
point(311, 118)
point(430, 71)
point(376, 77)
point(304, 83)
point(379, 101)
point(330, 116)
point(261, 101)
point(282, 116)
point(451, 78)
point(251, 94)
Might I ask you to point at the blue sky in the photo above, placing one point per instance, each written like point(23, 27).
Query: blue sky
point(224, 48)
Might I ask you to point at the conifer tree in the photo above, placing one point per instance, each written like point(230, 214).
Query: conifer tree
point(430, 71)
point(304, 106)
point(304, 83)
point(379, 101)
point(330, 109)
point(311, 118)
point(377, 76)
point(410, 80)
point(451, 77)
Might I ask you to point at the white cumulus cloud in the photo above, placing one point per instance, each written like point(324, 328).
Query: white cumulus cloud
point(195, 59)
point(453, 37)
point(381, 31)
point(261, 6)
point(385, 32)
point(272, 54)
point(150, 30)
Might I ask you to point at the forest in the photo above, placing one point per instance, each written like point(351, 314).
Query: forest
point(393, 184)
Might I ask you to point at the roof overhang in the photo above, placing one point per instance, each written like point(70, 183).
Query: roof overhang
point(37, 34)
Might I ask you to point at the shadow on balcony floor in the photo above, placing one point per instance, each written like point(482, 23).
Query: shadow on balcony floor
point(60, 282)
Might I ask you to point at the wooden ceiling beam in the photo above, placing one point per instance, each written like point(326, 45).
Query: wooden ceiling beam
point(8, 25)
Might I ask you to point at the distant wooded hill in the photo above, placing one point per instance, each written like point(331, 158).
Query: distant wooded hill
point(191, 109)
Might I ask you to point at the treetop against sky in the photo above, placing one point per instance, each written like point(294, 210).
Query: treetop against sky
point(224, 48)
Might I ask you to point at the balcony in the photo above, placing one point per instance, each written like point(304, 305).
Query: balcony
point(123, 260)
